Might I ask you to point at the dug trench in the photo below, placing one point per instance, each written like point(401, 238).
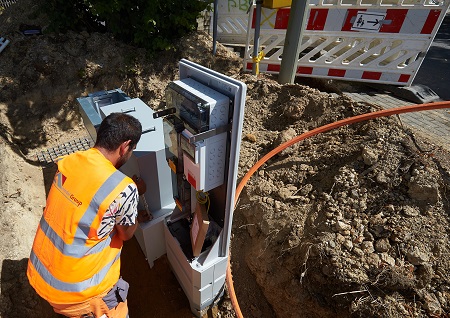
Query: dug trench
point(352, 222)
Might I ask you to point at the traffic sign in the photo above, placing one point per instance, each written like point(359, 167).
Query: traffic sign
point(368, 21)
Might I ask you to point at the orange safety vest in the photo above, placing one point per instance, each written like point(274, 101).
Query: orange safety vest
point(69, 263)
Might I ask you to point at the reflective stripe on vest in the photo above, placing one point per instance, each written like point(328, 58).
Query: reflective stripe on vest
point(69, 287)
point(78, 248)
point(72, 250)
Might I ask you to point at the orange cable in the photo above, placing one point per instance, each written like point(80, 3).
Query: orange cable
point(316, 131)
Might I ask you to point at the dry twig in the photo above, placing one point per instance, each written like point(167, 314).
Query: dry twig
point(352, 292)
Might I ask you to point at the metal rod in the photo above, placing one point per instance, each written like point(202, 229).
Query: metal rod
point(128, 110)
point(257, 32)
point(215, 17)
point(4, 44)
point(97, 107)
point(146, 130)
point(209, 133)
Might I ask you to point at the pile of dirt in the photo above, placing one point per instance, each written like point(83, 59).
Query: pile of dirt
point(350, 222)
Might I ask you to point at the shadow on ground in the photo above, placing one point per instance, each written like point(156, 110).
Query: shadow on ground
point(154, 292)
point(18, 298)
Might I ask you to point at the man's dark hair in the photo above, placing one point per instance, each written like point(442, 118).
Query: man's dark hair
point(117, 128)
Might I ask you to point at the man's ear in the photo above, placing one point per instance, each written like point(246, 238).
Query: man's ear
point(124, 147)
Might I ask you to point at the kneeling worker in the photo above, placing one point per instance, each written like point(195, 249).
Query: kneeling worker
point(91, 209)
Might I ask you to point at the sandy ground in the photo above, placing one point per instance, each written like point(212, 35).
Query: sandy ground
point(353, 222)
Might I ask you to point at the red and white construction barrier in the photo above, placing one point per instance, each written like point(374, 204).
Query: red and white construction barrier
point(368, 42)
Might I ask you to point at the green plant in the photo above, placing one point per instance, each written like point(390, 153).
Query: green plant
point(153, 24)
point(65, 15)
point(81, 73)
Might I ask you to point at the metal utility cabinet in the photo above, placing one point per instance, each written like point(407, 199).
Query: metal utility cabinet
point(207, 110)
point(188, 156)
point(148, 162)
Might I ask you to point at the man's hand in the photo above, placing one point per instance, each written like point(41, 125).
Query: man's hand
point(144, 216)
point(140, 184)
point(126, 232)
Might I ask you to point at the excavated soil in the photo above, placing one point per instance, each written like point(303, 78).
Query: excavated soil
point(352, 222)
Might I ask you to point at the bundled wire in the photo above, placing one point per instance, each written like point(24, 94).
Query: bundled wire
point(203, 198)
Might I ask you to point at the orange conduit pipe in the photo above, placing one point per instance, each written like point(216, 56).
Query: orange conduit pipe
point(316, 131)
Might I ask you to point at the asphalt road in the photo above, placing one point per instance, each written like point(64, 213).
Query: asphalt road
point(435, 69)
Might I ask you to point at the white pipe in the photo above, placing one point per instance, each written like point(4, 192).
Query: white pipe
point(3, 45)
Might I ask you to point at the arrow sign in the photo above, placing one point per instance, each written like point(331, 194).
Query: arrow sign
point(368, 21)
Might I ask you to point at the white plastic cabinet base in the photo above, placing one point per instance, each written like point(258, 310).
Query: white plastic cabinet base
point(150, 235)
point(202, 284)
